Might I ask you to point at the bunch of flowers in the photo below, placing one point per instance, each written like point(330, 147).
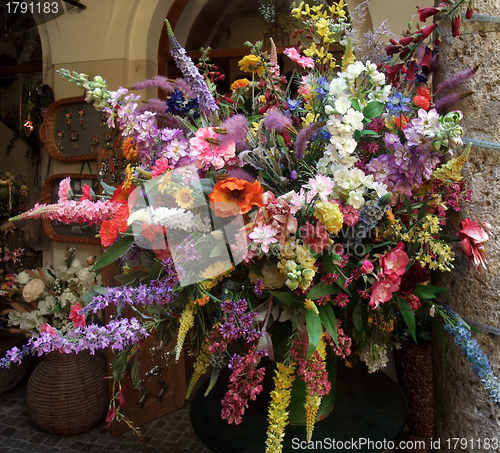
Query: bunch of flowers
point(293, 226)
point(48, 300)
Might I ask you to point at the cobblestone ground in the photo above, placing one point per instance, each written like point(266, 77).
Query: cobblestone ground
point(171, 433)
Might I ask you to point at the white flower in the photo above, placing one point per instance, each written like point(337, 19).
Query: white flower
point(354, 70)
point(356, 199)
point(338, 87)
point(342, 104)
point(329, 109)
point(23, 278)
point(380, 189)
point(354, 119)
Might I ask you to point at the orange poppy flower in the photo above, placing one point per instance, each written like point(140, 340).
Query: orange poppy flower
point(108, 233)
point(122, 193)
point(401, 121)
point(233, 196)
point(240, 83)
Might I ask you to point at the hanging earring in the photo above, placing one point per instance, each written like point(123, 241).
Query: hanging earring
point(114, 167)
point(73, 138)
point(67, 116)
point(102, 174)
point(94, 141)
point(81, 114)
point(60, 136)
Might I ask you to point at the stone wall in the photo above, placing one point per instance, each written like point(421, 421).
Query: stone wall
point(462, 408)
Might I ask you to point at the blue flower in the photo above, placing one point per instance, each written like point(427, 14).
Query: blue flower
point(397, 104)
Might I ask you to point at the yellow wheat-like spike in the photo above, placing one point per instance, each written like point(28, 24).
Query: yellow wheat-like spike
point(312, 405)
point(200, 367)
point(186, 322)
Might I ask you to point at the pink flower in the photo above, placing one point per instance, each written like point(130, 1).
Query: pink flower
point(393, 263)
point(207, 149)
point(86, 193)
point(294, 55)
point(316, 238)
point(473, 238)
point(47, 328)
point(78, 320)
point(366, 267)
point(264, 236)
point(414, 302)
point(319, 185)
point(382, 290)
point(160, 167)
point(65, 193)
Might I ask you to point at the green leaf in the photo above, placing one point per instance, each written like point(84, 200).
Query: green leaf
point(134, 374)
point(114, 252)
point(355, 105)
point(428, 291)
point(359, 318)
point(356, 135)
point(408, 207)
point(128, 279)
point(119, 364)
point(373, 109)
point(329, 320)
point(89, 297)
point(409, 317)
point(110, 190)
point(368, 132)
point(314, 331)
point(156, 270)
point(102, 290)
point(290, 299)
point(423, 210)
point(218, 250)
point(320, 290)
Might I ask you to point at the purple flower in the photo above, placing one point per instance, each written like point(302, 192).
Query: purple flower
point(191, 74)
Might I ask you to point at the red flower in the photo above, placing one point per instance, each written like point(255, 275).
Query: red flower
point(86, 193)
point(121, 217)
point(426, 32)
point(393, 263)
point(426, 59)
point(469, 13)
point(455, 27)
point(121, 194)
point(78, 320)
point(108, 232)
point(423, 98)
point(473, 239)
point(425, 13)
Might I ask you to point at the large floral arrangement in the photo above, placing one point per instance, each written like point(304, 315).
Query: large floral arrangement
point(295, 219)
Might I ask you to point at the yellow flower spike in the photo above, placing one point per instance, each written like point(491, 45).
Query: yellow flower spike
point(200, 367)
point(311, 306)
point(186, 322)
point(277, 413)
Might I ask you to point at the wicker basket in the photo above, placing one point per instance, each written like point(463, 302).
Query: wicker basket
point(67, 393)
point(414, 371)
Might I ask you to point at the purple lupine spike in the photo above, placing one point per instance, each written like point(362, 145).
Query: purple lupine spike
point(191, 74)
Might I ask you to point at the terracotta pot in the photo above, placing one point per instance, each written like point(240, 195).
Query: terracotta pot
point(67, 393)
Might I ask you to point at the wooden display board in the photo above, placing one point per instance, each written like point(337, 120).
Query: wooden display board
point(73, 130)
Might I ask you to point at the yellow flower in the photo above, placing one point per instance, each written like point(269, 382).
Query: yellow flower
point(186, 322)
point(165, 182)
point(311, 306)
point(184, 198)
point(128, 177)
point(251, 63)
point(329, 215)
point(200, 367)
point(129, 150)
